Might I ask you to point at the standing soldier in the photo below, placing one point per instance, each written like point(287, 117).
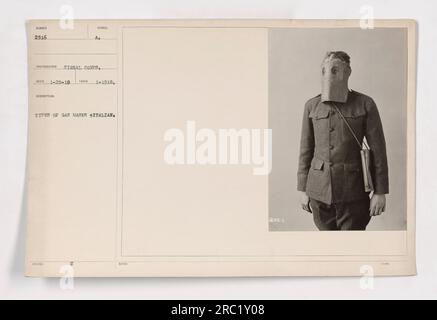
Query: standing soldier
point(330, 174)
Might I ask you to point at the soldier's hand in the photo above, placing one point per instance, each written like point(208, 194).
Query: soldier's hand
point(305, 202)
point(377, 204)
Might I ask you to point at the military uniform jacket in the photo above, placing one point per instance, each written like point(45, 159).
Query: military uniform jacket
point(329, 162)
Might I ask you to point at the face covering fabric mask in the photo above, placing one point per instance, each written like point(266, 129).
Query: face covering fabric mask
point(335, 76)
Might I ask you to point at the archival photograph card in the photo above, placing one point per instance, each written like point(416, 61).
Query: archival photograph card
point(205, 148)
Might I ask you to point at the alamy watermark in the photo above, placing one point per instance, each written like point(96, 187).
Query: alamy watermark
point(66, 281)
point(368, 277)
point(367, 17)
point(230, 146)
point(66, 21)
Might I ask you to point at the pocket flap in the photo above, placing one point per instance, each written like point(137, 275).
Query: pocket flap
point(317, 164)
point(321, 112)
point(353, 112)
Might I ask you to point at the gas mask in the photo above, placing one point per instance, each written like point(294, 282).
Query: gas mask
point(335, 76)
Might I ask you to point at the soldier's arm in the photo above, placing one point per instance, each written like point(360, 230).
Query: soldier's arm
point(306, 149)
point(375, 138)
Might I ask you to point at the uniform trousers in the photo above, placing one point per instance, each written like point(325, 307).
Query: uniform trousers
point(352, 215)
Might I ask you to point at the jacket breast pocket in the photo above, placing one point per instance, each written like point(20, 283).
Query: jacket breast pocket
point(317, 177)
point(319, 113)
point(357, 121)
point(320, 119)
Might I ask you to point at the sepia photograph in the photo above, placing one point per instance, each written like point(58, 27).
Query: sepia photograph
point(337, 109)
